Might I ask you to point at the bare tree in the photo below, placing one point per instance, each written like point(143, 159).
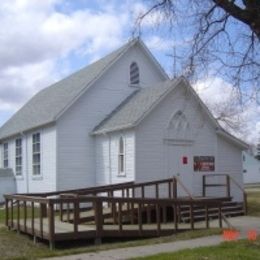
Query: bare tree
point(220, 37)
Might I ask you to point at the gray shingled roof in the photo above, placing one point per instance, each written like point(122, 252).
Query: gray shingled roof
point(45, 106)
point(135, 108)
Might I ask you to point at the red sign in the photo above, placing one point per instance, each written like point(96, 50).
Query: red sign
point(204, 163)
point(184, 160)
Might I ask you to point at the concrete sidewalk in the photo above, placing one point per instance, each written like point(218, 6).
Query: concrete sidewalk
point(244, 224)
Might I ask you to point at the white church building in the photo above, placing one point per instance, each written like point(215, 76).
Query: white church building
point(119, 119)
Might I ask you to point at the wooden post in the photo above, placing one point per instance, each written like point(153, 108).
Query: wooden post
point(12, 213)
point(127, 195)
point(191, 216)
point(179, 213)
point(174, 188)
point(142, 190)
point(6, 213)
point(169, 189)
point(32, 219)
point(25, 216)
point(203, 186)
point(228, 186)
point(120, 227)
point(99, 218)
point(41, 221)
point(175, 216)
point(158, 219)
point(140, 224)
point(132, 213)
point(18, 215)
point(207, 215)
point(220, 216)
point(245, 204)
point(51, 223)
point(76, 215)
point(156, 191)
point(61, 210)
point(113, 207)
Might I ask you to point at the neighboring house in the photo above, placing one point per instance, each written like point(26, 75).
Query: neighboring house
point(119, 119)
point(251, 168)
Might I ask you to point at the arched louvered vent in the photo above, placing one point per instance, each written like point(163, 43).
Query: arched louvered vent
point(179, 127)
point(134, 74)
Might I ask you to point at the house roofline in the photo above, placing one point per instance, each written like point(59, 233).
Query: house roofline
point(32, 129)
point(221, 132)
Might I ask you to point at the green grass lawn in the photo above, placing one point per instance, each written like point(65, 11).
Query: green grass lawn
point(15, 246)
point(243, 250)
point(253, 198)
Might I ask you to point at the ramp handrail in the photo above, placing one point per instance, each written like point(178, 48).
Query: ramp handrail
point(205, 185)
point(184, 187)
point(244, 194)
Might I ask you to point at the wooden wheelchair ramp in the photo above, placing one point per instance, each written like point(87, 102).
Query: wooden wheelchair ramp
point(122, 210)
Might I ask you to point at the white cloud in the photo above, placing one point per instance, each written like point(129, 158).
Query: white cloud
point(35, 38)
point(152, 19)
point(157, 43)
point(221, 97)
point(20, 83)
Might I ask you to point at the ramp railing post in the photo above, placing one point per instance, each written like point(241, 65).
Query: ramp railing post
point(50, 213)
point(6, 212)
point(174, 189)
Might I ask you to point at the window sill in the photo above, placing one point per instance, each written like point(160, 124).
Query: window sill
point(37, 178)
point(20, 178)
point(134, 86)
point(121, 175)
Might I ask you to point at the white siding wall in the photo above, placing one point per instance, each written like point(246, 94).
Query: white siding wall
point(1, 156)
point(152, 152)
point(230, 162)
point(47, 180)
point(76, 148)
point(107, 158)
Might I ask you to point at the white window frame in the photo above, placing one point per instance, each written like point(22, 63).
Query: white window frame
point(36, 153)
point(121, 157)
point(5, 155)
point(19, 155)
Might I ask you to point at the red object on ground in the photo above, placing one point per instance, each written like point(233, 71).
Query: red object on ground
point(252, 235)
point(230, 234)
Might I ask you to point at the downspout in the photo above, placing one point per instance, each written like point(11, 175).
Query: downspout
point(26, 162)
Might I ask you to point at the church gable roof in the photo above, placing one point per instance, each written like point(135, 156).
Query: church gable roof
point(130, 112)
point(47, 105)
point(136, 107)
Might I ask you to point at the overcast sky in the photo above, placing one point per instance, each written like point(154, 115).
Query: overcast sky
point(42, 41)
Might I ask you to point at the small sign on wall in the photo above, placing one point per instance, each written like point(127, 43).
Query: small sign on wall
point(204, 163)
